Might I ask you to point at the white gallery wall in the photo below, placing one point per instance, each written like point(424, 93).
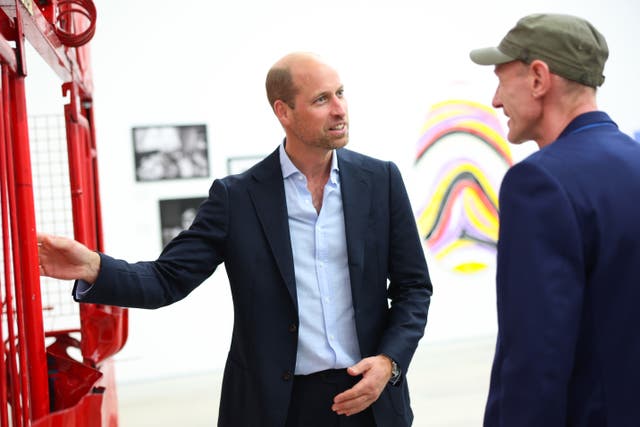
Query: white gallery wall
point(168, 62)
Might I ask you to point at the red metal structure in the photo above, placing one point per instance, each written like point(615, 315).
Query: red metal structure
point(41, 383)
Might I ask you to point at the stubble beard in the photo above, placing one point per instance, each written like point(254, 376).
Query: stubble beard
point(324, 139)
point(327, 142)
point(335, 143)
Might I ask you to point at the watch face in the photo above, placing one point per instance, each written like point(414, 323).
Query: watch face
point(394, 370)
point(395, 373)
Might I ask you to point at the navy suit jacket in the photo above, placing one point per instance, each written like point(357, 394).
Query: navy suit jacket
point(244, 224)
point(568, 284)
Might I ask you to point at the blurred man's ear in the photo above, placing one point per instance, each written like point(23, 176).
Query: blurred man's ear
point(282, 110)
point(540, 78)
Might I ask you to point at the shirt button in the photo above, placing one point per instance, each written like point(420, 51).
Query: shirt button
point(293, 327)
point(287, 376)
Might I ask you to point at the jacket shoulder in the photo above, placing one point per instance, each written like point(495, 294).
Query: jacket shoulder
point(263, 169)
point(361, 160)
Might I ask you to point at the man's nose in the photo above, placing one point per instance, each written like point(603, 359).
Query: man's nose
point(339, 107)
point(496, 101)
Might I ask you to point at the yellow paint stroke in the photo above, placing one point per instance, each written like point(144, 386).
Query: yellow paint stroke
point(428, 216)
point(446, 110)
point(468, 267)
point(477, 213)
point(453, 246)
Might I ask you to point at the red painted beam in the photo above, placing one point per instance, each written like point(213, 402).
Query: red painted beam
point(41, 35)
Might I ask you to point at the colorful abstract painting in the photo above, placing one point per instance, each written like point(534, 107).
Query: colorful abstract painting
point(461, 158)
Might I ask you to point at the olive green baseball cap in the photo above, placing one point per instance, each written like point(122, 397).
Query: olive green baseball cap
point(570, 46)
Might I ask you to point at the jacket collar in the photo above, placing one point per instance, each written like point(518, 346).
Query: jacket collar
point(586, 121)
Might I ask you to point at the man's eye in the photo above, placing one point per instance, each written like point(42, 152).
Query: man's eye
point(321, 99)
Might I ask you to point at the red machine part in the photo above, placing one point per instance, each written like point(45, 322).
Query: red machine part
point(104, 327)
point(69, 28)
point(21, 229)
point(47, 387)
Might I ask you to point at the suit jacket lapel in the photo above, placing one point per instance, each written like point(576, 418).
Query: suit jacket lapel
point(267, 194)
point(356, 203)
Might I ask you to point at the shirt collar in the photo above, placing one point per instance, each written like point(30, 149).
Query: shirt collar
point(288, 168)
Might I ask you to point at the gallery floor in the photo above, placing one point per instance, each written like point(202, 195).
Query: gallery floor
point(448, 383)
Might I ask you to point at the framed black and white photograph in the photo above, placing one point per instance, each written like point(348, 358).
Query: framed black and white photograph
point(170, 152)
point(177, 215)
point(239, 164)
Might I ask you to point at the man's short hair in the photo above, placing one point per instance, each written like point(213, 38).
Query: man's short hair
point(280, 86)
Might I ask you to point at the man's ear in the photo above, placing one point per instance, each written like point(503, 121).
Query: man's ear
point(282, 110)
point(540, 78)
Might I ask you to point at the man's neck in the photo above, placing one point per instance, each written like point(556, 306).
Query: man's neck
point(313, 162)
point(558, 115)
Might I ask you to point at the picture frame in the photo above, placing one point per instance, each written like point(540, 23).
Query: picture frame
point(167, 152)
point(239, 164)
point(177, 215)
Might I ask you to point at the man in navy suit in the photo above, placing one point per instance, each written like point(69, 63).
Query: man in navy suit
point(568, 283)
point(316, 241)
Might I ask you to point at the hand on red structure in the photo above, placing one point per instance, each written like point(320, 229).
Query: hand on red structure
point(66, 259)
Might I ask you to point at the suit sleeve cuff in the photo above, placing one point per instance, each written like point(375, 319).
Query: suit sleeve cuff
point(80, 289)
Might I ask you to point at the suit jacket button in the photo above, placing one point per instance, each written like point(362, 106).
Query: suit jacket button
point(293, 327)
point(287, 376)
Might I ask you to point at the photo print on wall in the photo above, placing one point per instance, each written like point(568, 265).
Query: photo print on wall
point(177, 215)
point(170, 152)
point(239, 164)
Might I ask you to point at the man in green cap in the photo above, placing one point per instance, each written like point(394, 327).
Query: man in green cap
point(568, 281)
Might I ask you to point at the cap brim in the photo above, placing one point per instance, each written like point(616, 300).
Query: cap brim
point(489, 56)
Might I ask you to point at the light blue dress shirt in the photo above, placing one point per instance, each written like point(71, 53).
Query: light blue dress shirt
point(327, 336)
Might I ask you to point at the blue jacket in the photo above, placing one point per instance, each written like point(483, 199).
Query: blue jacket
point(568, 284)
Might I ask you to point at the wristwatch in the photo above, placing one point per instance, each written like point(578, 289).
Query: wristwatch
point(395, 373)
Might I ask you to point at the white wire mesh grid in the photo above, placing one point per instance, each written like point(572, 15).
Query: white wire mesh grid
point(52, 198)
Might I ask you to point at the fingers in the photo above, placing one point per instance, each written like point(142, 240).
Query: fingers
point(46, 244)
point(358, 369)
point(57, 258)
point(354, 400)
point(353, 406)
point(44, 239)
point(41, 237)
point(366, 391)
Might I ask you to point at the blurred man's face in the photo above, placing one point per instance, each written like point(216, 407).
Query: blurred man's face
point(515, 98)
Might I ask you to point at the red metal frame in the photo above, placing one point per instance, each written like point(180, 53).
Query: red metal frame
point(26, 256)
point(40, 33)
point(98, 321)
point(10, 367)
point(46, 387)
